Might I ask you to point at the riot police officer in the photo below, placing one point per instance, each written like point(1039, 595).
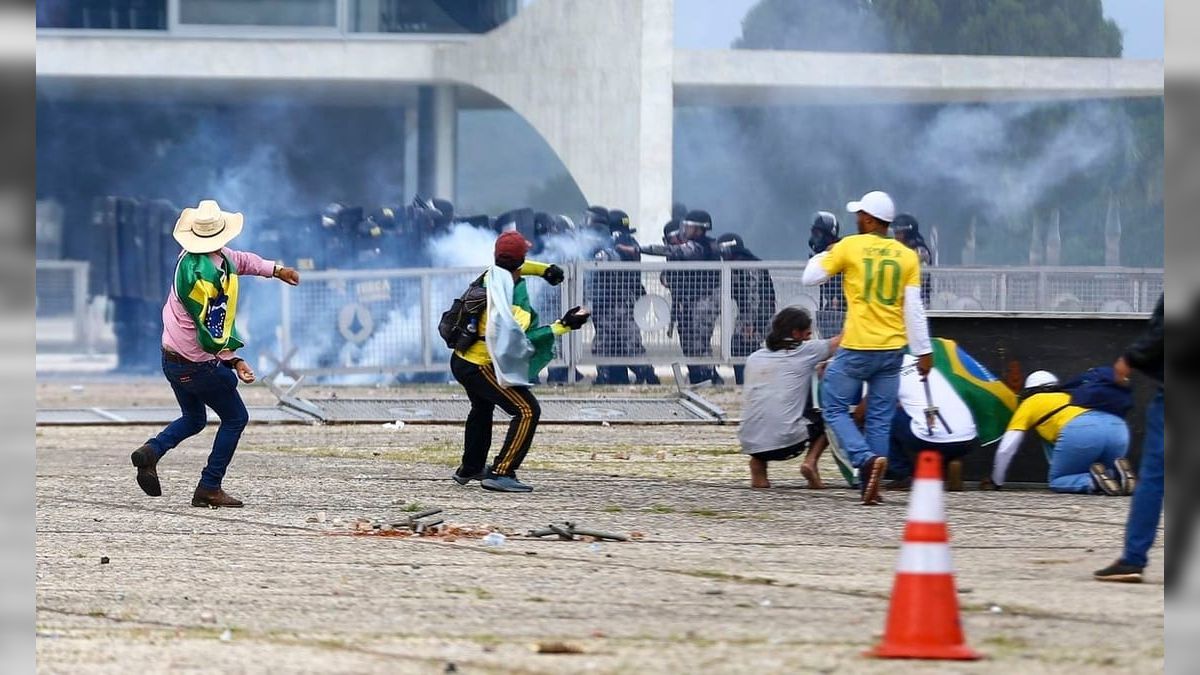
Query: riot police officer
point(754, 292)
point(613, 294)
point(907, 231)
point(694, 292)
point(831, 310)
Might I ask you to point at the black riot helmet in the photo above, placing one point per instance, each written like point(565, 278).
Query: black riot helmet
point(618, 222)
point(824, 231)
point(907, 231)
point(671, 233)
point(595, 216)
point(695, 225)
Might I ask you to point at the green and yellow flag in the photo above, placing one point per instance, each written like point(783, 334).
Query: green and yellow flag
point(209, 294)
point(991, 401)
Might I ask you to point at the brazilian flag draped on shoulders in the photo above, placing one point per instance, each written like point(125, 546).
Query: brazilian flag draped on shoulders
point(209, 294)
point(991, 402)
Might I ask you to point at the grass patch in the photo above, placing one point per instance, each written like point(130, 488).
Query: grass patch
point(706, 513)
point(613, 508)
point(413, 507)
point(662, 508)
point(1006, 642)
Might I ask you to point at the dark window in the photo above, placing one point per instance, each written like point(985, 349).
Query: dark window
point(430, 16)
point(103, 14)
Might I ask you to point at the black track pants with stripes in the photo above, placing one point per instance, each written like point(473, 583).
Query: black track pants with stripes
point(485, 393)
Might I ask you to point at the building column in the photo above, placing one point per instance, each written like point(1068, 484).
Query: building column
point(437, 141)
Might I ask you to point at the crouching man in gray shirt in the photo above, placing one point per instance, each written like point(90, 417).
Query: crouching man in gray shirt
point(775, 397)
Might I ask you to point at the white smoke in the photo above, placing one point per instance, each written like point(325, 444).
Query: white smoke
point(971, 146)
point(462, 246)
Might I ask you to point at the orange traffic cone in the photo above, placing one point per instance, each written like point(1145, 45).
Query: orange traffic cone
point(923, 619)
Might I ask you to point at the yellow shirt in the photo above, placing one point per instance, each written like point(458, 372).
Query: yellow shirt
point(1038, 406)
point(478, 352)
point(877, 270)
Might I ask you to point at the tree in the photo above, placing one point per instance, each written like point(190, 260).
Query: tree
point(1005, 165)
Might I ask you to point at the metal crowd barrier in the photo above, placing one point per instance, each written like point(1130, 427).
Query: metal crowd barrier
point(357, 325)
point(61, 309)
point(353, 326)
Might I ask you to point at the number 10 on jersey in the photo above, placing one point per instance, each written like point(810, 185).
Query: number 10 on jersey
point(882, 281)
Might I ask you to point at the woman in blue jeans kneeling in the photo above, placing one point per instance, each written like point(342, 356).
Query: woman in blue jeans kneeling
point(1087, 447)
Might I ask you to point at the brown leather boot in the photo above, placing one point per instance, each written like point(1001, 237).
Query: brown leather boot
point(145, 459)
point(206, 497)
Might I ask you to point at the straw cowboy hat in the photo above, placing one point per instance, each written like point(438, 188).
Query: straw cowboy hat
point(206, 228)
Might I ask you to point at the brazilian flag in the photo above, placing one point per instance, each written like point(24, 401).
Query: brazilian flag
point(209, 294)
point(991, 401)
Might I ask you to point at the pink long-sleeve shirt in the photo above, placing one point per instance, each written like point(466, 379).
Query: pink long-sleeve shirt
point(179, 330)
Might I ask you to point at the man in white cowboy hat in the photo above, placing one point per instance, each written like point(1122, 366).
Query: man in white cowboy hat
point(199, 345)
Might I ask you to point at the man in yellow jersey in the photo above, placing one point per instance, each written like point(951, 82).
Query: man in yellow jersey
point(882, 287)
point(488, 386)
point(1087, 447)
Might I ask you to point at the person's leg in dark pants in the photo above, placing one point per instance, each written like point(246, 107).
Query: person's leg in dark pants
point(526, 411)
point(193, 416)
point(220, 393)
point(190, 422)
point(477, 434)
point(1145, 510)
point(516, 401)
point(904, 445)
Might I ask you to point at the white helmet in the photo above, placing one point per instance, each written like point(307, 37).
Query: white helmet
point(1040, 378)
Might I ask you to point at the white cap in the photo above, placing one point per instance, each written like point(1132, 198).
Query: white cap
point(876, 203)
point(1040, 378)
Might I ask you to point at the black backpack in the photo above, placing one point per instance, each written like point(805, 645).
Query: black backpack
point(459, 325)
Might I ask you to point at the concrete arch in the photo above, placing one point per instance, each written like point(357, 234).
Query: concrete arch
point(595, 80)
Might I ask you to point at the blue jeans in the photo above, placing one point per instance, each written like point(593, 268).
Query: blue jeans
point(1146, 508)
point(842, 388)
point(1094, 436)
point(197, 385)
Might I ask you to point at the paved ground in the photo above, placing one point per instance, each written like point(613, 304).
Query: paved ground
point(723, 578)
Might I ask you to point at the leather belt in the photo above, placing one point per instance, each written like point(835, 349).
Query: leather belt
point(175, 358)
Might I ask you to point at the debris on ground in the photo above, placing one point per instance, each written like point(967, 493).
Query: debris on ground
point(103, 560)
point(569, 531)
point(494, 539)
point(557, 648)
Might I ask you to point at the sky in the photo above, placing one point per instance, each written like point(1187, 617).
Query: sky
point(713, 24)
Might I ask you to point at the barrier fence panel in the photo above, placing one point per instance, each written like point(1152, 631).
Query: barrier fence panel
point(354, 326)
point(61, 309)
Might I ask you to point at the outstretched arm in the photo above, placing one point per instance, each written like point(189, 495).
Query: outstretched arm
point(1005, 453)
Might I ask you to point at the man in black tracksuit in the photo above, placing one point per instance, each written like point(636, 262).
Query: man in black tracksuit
point(754, 292)
point(697, 292)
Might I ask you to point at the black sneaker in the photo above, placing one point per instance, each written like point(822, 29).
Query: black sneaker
point(1102, 482)
point(145, 459)
point(871, 475)
point(1119, 572)
point(463, 479)
point(505, 484)
point(1125, 475)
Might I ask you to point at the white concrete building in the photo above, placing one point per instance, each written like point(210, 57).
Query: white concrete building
point(553, 63)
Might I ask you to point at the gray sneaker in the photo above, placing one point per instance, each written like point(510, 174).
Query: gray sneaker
point(464, 478)
point(504, 484)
